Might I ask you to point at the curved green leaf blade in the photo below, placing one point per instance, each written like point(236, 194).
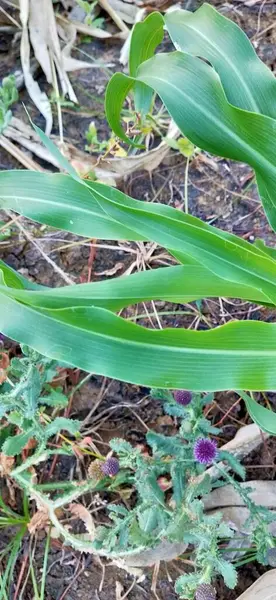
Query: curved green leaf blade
point(61, 202)
point(145, 38)
point(97, 210)
point(222, 253)
point(116, 92)
point(192, 93)
point(235, 356)
point(247, 81)
point(263, 417)
point(172, 284)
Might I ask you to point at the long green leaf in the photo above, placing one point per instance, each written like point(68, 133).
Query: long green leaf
point(235, 356)
point(172, 284)
point(59, 200)
point(222, 253)
point(192, 93)
point(145, 38)
point(247, 81)
point(263, 417)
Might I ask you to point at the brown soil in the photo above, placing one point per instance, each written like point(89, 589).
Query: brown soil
point(218, 194)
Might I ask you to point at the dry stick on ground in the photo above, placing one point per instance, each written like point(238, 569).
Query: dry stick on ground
point(25, 160)
point(10, 17)
point(58, 270)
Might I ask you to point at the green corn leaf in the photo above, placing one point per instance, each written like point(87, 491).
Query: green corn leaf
point(247, 81)
point(56, 199)
point(145, 38)
point(173, 284)
point(270, 251)
point(192, 93)
point(263, 417)
point(61, 202)
point(14, 444)
point(53, 149)
point(235, 356)
point(60, 424)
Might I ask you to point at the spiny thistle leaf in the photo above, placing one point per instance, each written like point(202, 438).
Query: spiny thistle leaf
point(228, 572)
point(233, 462)
point(61, 423)
point(14, 445)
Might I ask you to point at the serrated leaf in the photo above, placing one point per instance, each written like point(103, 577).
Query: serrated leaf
point(202, 488)
point(233, 462)
point(30, 391)
point(228, 572)
point(158, 394)
point(119, 509)
point(178, 482)
point(13, 445)
point(121, 446)
point(162, 444)
point(55, 398)
point(4, 407)
point(186, 583)
point(148, 519)
point(16, 418)
point(123, 536)
point(60, 424)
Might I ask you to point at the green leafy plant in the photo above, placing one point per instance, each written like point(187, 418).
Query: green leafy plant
point(166, 481)
point(227, 110)
point(89, 9)
point(170, 478)
point(93, 143)
point(23, 402)
point(8, 96)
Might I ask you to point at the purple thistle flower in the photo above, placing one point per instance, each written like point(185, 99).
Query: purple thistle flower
point(111, 466)
point(205, 451)
point(183, 397)
point(205, 591)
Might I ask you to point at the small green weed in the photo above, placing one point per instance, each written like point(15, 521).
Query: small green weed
point(89, 9)
point(8, 96)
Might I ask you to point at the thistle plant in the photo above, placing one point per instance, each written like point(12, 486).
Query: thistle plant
point(177, 514)
point(24, 398)
point(173, 513)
